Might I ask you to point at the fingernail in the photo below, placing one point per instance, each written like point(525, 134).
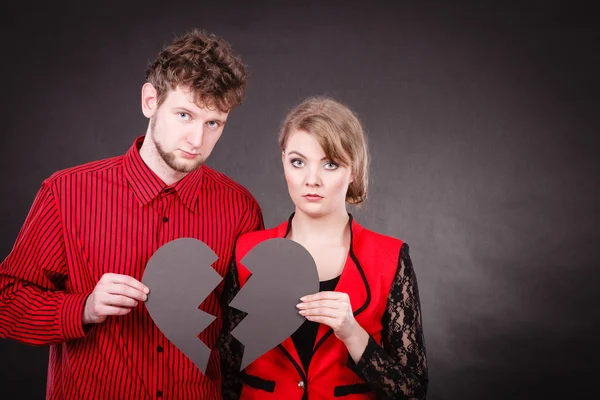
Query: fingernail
point(302, 312)
point(300, 305)
point(302, 298)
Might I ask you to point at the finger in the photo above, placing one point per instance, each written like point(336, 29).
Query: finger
point(323, 312)
point(125, 290)
point(327, 295)
point(330, 322)
point(112, 310)
point(129, 281)
point(337, 304)
point(120, 301)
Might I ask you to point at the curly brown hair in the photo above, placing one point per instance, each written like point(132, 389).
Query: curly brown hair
point(203, 63)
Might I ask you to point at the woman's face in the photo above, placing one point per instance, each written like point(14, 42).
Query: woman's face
point(317, 186)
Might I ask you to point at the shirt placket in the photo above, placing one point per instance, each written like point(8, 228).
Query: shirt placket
point(163, 235)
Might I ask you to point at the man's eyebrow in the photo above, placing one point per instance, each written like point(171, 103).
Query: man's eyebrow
point(193, 114)
point(184, 109)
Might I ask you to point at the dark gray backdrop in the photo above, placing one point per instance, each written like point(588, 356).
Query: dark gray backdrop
point(482, 121)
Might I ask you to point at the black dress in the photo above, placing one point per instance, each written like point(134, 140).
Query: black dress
point(305, 336)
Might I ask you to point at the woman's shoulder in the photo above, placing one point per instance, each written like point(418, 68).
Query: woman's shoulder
point(370, 237)
point(248, 240)
point(374, 245)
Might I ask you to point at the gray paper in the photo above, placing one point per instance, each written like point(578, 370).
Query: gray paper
point(282, 272)
point(180, 277)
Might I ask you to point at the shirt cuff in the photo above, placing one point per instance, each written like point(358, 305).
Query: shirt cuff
point(359, 367)
point(71, 316)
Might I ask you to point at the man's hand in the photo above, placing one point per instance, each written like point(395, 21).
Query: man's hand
point(113, 295)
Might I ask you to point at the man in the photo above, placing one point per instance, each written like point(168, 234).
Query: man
point(72, 279)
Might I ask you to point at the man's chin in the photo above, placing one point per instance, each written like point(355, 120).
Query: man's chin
point(187, 167)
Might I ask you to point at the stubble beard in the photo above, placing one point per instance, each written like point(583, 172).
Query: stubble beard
point(170, 158)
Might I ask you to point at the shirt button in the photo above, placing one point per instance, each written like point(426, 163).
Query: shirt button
point(159, 393)
point(165, 219)
point(301, 384)
point(159, 349)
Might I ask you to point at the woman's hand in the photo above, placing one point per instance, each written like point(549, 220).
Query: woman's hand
point(334, 310)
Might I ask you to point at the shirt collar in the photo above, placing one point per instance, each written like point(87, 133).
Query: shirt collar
point(146, 185)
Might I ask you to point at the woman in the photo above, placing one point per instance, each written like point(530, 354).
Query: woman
point(362, 337)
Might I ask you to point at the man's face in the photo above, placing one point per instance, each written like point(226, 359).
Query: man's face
point(183, 133)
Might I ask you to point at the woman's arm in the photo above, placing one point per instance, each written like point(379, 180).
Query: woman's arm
point(398, 368)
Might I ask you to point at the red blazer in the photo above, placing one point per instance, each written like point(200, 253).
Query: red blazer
point(367, 278)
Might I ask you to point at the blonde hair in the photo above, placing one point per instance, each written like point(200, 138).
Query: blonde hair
point(340, 134)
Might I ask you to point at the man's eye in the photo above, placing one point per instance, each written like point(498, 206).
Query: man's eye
point(184, 115)
point(213, 124)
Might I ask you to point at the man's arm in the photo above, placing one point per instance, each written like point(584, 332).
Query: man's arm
point(34, 307)
point(252, 220)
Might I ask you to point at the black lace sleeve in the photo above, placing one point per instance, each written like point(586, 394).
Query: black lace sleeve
point(398, 368)
point(230, 349)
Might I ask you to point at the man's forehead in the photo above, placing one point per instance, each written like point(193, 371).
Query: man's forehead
point(197, 102)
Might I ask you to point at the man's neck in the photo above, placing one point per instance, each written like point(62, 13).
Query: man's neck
point(154, 161)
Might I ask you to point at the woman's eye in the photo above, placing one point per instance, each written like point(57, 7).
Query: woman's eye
point(297, 163)
point(331, 165)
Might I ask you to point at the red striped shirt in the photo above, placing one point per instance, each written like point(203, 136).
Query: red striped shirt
point(111, 216)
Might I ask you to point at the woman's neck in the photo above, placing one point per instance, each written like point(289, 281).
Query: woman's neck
point(331, 229)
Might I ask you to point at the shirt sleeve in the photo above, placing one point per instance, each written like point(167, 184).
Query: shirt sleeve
point(252, 220)
point(34, 305)
point(398, 368)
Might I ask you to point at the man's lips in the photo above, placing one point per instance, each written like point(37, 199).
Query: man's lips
point(188, 154)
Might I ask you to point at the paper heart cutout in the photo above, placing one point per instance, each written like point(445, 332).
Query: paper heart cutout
point(282, 272)
point(180, 277)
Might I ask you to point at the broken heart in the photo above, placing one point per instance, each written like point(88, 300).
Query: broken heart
point(180, 277)
point(282, 272)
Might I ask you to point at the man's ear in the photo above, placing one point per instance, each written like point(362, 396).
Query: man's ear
point(149, 100)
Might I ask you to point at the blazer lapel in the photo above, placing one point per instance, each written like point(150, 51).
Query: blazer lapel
point(352, 282)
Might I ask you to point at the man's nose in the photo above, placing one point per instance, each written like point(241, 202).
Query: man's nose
point(195, 137)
